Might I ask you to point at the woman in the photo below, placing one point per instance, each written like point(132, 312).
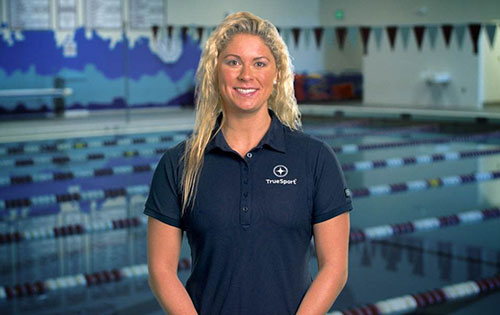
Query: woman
point(249, 189)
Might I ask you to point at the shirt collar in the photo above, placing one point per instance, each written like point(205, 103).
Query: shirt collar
point(274, 137)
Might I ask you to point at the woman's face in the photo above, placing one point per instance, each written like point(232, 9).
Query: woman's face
point(246, 72)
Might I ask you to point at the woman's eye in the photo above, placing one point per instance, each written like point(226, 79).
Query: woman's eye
point(260, 64)
point(232, 62)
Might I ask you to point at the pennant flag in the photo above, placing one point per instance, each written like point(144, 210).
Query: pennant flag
point(405, 35)
point(318, 36)
point(447, 29)
point(296, 35)
point(199, 31)
point(154, 29)
point(170, 30)
point(184, 31)
point(307, 36)
point(365, 36)
point(341, 33)
point(391, 33)
point(474, 30)
point(460, 31)
point(419, 31)
point(378, 36)
point(433, 30)
point(491, 31)
point(352, 35)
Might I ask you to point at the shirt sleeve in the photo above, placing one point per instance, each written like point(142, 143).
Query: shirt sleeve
point(164, 200)
point(331, 196)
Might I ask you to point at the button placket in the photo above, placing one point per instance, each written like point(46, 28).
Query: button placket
point(244, 198)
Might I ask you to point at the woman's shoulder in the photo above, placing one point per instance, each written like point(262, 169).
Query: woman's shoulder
point(305, 141)
point(174, 154)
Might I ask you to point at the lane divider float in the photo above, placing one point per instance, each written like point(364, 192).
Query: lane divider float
point(412, 302)
point(348, 148)
point(354, 148)
point(52, 147)
point(81, 280)
point(424, 184)
point(414, 160)
point(101, 194)
point(356, 236)
point(354, 166)
point(426, 224)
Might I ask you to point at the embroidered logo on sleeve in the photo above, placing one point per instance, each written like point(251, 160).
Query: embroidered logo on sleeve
point(347, 193)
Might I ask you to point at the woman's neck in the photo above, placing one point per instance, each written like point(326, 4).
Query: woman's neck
point(244, 131)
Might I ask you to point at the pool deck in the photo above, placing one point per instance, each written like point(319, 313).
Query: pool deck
point(490, 114)
point(112, 122)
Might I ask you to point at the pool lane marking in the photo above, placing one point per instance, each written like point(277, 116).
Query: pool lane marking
point(65, 145)
point(348, 148)
point(354, 166)
point(354, 148)
point(81, 280)
point(425, 184)
point(399, 131)
point(357, 236)
point(415, 160)
point(411, 302)
point(397, 305)
point(100, 194)
point(78, 145)
point(426, 224)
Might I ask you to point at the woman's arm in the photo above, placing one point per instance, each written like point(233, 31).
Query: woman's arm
point(331, 239)
point(164, 246)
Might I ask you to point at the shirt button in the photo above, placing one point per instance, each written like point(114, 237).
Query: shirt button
point(249, 155)
point(245, 209)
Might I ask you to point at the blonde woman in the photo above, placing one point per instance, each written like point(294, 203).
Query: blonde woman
point(249, 189)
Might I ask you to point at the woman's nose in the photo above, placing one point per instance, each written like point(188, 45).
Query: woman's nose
point(245, 73)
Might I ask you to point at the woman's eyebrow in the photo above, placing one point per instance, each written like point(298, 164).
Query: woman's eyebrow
point(231, 55)
point(237, 56)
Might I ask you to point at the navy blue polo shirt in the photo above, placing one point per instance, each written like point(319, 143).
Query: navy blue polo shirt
point(252, 220)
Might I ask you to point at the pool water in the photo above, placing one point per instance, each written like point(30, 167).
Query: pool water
point(120, 167)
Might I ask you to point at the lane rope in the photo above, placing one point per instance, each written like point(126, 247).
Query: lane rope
point(344, 149)
point(101, 194)
point(411, 302)
point(354, 148)
point(81, 280)
point(52, 147)
point(426, 224)
point(399, 131)
point(415, 160)
point(354, 166)
point(356, 236)
point(26, 148)
point(65, 145)
point(425, 184)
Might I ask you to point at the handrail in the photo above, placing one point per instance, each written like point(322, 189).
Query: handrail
point(21, 93)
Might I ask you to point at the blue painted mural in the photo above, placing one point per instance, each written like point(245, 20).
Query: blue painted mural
point(103, 74)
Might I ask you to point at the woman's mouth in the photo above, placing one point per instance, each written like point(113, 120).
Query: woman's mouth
point(246, 91)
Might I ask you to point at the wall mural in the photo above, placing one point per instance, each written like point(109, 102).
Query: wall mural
point(103, 72)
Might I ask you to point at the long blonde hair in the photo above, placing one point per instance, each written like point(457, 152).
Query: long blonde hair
point(208, 101)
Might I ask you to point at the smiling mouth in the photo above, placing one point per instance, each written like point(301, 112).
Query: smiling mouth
point(245, 91)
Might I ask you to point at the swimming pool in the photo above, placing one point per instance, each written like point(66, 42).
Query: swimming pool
point(425, 197)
